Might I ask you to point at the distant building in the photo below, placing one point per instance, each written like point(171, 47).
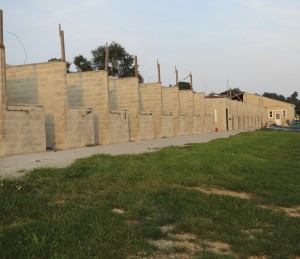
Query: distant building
point(281, 113)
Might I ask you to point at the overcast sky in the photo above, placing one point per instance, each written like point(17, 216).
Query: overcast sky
point(253, 43)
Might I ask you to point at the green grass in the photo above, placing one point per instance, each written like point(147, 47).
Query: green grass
point(66, 213)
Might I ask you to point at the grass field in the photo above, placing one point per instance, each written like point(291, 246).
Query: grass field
point(230, 198)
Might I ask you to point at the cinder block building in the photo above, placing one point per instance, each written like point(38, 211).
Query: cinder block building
point(274, 111)
point(41, 105)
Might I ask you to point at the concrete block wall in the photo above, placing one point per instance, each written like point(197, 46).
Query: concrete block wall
point(22, 90)
point(24, 130)
point(186, 104)
point(90, 89)
point(184, 128)
point(124, 95)
point(118, 126)
point(167, 125)
point(146, 126)
point(48, 82)
point(199, 113)
point(170, 103)
point(241, 111)
point(45, 84)
point(234, 115)
point(197, 124)
point(151, 100)
point(212, 117)
point(80, 127)
point(218, 108)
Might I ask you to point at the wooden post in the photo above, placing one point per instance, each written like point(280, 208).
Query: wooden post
point(1, 30)
point(2, 66)
point(158, 72)
point(106, 57)
point(62, 43)
point(136, 70)
point(176, 72)
point(191, 81)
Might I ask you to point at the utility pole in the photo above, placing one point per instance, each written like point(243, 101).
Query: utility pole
point(62, 43)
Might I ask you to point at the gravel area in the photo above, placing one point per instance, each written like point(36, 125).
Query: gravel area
point(18, 165)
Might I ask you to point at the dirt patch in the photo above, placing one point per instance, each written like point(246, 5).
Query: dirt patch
point(292, 212)
point(185, 236)
point(132, 222)
point(240, 195)
point(218, 247)
point(258, 257)
point(186, 245)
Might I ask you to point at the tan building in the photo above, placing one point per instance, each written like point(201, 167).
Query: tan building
point(281, 113)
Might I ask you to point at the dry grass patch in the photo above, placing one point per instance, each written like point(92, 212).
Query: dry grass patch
point(186, 245)
point(240, 195)
point(258, 257)
point(118, 211)
point(291, 212)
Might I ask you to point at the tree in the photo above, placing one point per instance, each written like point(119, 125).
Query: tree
point(68, 64)
point(184, 86)
point(294, 100)
point(82, 64)
point(120, 63)
point(274, 96)
point(234, 91)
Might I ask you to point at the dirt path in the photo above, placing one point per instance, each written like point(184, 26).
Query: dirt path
point(17, 165)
